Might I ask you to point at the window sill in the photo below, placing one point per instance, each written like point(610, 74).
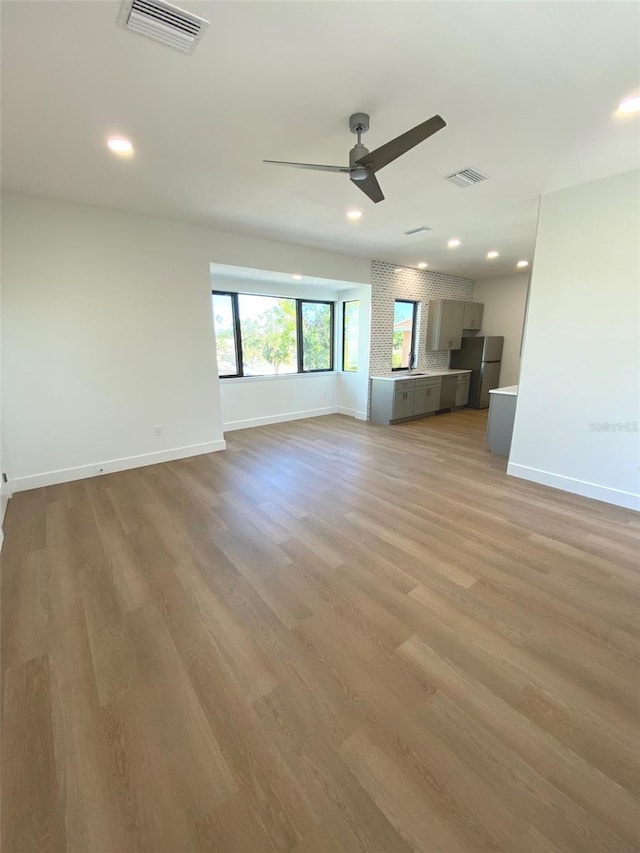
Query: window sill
point(280, 377)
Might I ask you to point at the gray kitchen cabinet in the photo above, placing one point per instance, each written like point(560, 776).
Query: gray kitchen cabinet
point(472, 315)
point(403, 399)
point(391, 400)
point(462, 389)
point(398, 400)
point(426, 397)
point(444, 324)
point(502, 413)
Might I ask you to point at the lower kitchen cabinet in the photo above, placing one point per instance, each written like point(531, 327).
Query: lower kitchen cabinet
point(502, 414)
point(403, 399)
point(426, 399)
point(462, 389)
point(393, 401)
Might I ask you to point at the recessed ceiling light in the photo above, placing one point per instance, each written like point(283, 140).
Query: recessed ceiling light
point(354, 214)
point(296, 276)
point(453, 244)
point(492, 254)
point(398, 269)
point(119, 145)
point(422, 265)
point(522, 264)
point(629, 105)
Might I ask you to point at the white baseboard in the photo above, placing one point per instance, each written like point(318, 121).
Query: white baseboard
point(5, 494)
point(96, 469)
point(278, 419)
point(629, 500)
point(352, 413)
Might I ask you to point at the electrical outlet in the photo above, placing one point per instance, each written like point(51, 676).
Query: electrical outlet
point(157, 430)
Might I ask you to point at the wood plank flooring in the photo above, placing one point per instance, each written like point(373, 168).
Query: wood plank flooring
point(332, 637)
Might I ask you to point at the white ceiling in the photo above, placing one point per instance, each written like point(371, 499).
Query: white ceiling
point(228, 272)
point(527, 90)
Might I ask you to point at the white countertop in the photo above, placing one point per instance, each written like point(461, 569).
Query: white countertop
point(418, 374)
point(509, 390)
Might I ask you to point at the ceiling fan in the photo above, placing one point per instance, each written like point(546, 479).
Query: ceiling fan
point(363, 164)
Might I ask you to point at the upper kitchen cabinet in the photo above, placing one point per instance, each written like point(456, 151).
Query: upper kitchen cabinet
point(444, 324)
point(472, 317)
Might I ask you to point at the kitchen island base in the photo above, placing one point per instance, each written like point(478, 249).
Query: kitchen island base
point(502, 413)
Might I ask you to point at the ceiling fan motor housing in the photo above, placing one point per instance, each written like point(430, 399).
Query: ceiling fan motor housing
point(357, 172)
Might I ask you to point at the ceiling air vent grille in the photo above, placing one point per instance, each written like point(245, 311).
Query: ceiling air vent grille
point(466, 177)
point(164, 23)
point(419, 230)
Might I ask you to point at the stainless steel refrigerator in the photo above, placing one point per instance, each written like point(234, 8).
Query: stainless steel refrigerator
point(482, 357)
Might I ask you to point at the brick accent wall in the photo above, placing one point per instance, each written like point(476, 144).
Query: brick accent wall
point(388, 285)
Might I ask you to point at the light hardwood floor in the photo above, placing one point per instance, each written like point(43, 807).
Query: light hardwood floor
point(333, 637)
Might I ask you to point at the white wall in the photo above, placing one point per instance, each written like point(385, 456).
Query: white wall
point(108, 331)
point(504, 299)
point(262, 400)
point(579, 396)
point(4, 489)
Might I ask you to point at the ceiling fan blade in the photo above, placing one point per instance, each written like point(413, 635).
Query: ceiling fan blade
point(375, 160)
point(314, 166)
point(370, 187)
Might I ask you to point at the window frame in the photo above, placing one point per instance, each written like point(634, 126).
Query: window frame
point(414, 325)
point(344, 333)
point(235, 316)
point(299, 335)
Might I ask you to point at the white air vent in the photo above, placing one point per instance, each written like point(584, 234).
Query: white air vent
point(164, 23)
point(466, 178)
point(418, 230)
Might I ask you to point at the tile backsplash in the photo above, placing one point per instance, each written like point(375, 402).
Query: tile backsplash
point(387, 285)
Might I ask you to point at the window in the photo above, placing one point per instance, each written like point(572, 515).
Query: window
point(404, 325)
point(271, 335)
point(316, 333)
point(350, 334)
point(267, 335)
point(226, 338)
